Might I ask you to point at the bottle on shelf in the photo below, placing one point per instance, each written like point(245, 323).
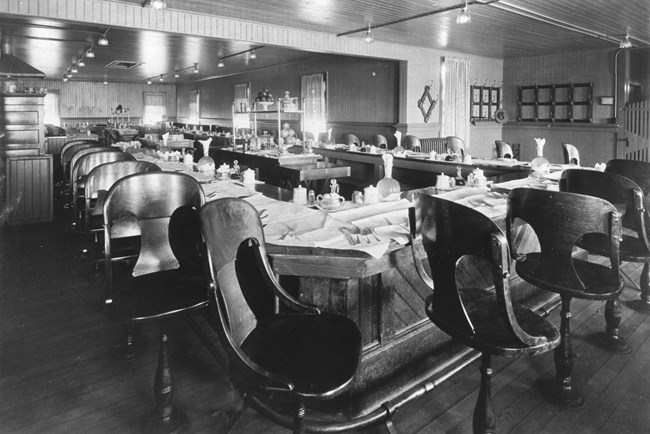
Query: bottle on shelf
point(388, 187)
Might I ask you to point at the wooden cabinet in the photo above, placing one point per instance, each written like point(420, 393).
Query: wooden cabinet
point(21, 122)
point(556, 103)
point(266, 120)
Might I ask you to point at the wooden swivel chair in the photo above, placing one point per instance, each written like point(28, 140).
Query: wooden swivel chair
point(559, 220)
point(504, 150)
point(66, 145)
point(482, 318)
point(571, 154)
point(412, 143)
point(633, 246)
point(456, 145)
point(67, 152)
point(349, 139)
point(379, 141)
point(167, 279)
point(80, 171)
point(99, 181)
point(639, 172)
point(300, 354)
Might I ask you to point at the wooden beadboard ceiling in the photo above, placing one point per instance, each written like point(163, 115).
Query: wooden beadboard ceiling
point(504, 29)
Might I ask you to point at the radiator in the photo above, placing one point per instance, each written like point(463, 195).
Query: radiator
point(438, 144)
point(29, 189)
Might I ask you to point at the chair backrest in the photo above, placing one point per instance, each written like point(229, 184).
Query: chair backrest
point(637, 171)
point(411, 143)
point(504, 150)
point(87, 162)
point(379, 141)
point(80, 153)
point(349, 139)
point(571, 154)
point(450, 231)
point(70, 143)
point(68, 152)
point(142, 204)
point(456, 145)
point(559, 220)
point(229, 227)
point(111, 136)
point(614, 188)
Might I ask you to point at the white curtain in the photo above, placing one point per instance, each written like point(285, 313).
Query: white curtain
point(455, 98)
point(313, 89)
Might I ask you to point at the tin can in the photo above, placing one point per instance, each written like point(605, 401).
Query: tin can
point(357, 197)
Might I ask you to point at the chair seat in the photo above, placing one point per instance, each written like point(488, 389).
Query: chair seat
point(156, 295)
point(630, 249)
point(599, 282)
point(490, 333)
point(318, 353)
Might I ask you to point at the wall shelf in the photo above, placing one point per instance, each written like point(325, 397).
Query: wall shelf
point(556, 103)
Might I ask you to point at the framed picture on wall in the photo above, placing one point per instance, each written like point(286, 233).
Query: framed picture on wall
point(476, 94)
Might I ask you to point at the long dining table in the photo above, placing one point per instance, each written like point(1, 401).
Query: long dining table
point(356, 261)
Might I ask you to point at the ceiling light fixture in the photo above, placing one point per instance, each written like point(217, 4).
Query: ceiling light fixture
point(176, 75)
point(74, 70)
point(368, 39)
point(220, 64)
point(463, 17)
point(161, 77)
point(81, 63)
point(65, 78)
point(626, 43)
point(105, 81)
point(103, 40)
point(196, 68)
point(90, 53)
point(155, 4)
point(149, 81)
point(253, 55)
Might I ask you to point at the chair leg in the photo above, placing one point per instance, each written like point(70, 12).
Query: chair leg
point(299, 419)
point(643, 305)
point(612, 340)
point(568, 395)
point(166, 419)
point(130, 346)
point(484, 420)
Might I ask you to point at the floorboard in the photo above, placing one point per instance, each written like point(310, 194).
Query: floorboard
point(57, 374)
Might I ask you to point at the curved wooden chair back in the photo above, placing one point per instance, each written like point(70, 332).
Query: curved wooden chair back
point(560, 220)
point(617, 190)
point(85, 151)
point(88, 162)
point(379, 141)
point(101, 179)
point(637, 171)
point(68, 153)
point(504, 150)
point(456, 145)
point(412, 143)
point(111, 136)
point(228, 225)
point(70, 143)
point(450, 231)
point(142, 204)
point(571, 154)
point(349, 139)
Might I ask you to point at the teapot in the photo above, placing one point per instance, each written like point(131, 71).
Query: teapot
point(477, 178)
point(329, 201)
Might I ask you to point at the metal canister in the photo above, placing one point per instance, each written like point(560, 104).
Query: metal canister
point(357, 197)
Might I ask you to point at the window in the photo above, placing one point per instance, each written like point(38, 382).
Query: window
point(155, 107)
point(314, 94)
point(193, 112)
point(242, 104)
point(51, 103)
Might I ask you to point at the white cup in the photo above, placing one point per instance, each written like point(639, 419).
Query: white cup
point(300, 195)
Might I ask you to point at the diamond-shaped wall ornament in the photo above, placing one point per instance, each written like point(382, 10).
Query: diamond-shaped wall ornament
point(425, 101)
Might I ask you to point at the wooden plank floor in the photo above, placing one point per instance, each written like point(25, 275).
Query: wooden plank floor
point(57, 376)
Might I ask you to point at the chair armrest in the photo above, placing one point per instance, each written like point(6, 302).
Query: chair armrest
point(274, 285)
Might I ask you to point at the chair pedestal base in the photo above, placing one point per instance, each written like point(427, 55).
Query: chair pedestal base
point(172, 424)
point(130, 347)
point(567, 395)
point(484, 421)
point(611, 340)
point(643, 305)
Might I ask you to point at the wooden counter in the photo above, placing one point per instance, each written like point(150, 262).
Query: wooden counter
point(411, 172)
